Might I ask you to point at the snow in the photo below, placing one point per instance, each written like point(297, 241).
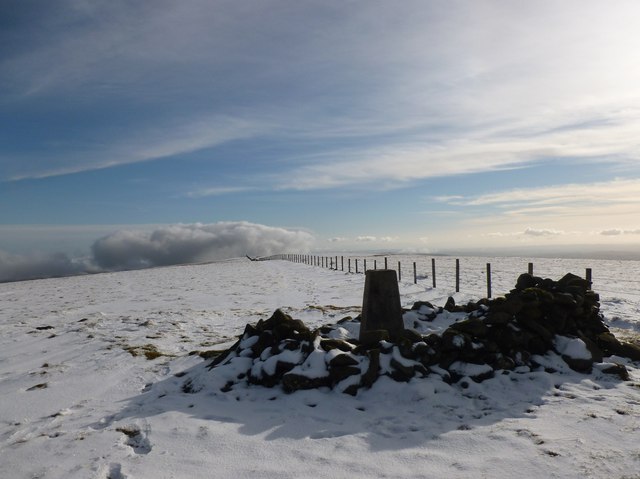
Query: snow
point(74, 403)
point(572, 347)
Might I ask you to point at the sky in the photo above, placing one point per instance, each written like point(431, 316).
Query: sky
point(410, 126)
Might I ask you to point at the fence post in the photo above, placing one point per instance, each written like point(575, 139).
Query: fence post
point(349, 262)
point(356, 265)
point(433, 271)
point(530, 270)
point(365, 266)
point(457, 275)
point(375, 264)
point(415, 274)
point(399, 272)
point(336, 263)
point(588, 276)
point(488, 280)
point(341, 263)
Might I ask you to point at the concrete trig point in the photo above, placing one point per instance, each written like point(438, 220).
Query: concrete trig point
point(381, 309)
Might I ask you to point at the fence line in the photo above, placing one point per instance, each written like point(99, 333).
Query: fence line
point(333, 263)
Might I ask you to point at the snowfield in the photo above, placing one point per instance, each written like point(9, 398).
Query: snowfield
point(92, 368)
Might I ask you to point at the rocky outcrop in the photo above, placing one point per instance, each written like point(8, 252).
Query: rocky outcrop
point(509, 333)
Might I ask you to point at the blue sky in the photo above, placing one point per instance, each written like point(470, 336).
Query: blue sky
point(416, 125)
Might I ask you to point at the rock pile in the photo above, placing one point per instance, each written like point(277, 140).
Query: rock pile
point(510, 333)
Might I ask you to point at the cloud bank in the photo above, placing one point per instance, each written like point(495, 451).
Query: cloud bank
point(23, 267)
point(168, 245)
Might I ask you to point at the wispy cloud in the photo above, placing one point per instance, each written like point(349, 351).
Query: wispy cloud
point(361, 106)
point(619, 232)
point(621, 192)
point(147, 144)
point(218, 191)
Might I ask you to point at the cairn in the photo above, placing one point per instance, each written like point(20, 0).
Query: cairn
point(498, 336)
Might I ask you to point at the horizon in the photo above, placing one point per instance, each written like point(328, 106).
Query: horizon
point(132, 133)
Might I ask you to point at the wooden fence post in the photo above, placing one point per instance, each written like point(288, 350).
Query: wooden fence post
point(530, 270)
point(433, 271)
point(385, 263)
point(349, 263)
point(488, 280)
point(588, 274)
point(399, 272)
point(375, 264)
point(365, 266)
point(341, 263)
point(356, 265)
point(415, 274)
point(457, 275)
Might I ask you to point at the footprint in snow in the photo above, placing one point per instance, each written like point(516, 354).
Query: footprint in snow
point(136, 439)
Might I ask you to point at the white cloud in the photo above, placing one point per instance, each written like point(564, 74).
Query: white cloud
point(366, 239)
point(163, 246)
point(192, 243)
point(17, 267)
point(558, 198)
point(619, 232)
point(542, 232)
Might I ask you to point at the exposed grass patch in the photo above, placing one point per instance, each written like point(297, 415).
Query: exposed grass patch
point(149, 351)
point(212, 353)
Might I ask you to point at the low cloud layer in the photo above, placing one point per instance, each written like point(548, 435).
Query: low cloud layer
point(22, 267)
point(169, 245)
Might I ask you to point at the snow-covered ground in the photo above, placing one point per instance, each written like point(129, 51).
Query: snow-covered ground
point(80, 399)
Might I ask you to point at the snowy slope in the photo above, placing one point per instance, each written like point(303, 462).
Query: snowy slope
point(79, 398)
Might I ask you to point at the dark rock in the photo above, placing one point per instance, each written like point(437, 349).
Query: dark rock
point(338, 373)
point(526, 280)
point(609, 344)
point(342, 345)
point(579, 365)
point(419, 304)
point(410, 335)
point(343, 360)
point(572, 283)
point(352, 389)
point(401, 372)
point(474, 327)
point(450, 305)
point(617, 370)
point(500, 317)
point(630, 350)
point(294, 382)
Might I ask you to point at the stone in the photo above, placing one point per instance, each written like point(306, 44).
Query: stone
point(293, 382)
point(419, 304)
point(343, 360)
point(341, 344)
point(381, 308)
point(617, 370)
point(473, 327)
point(630, 350)
point(337, 374)
point(450, 305)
